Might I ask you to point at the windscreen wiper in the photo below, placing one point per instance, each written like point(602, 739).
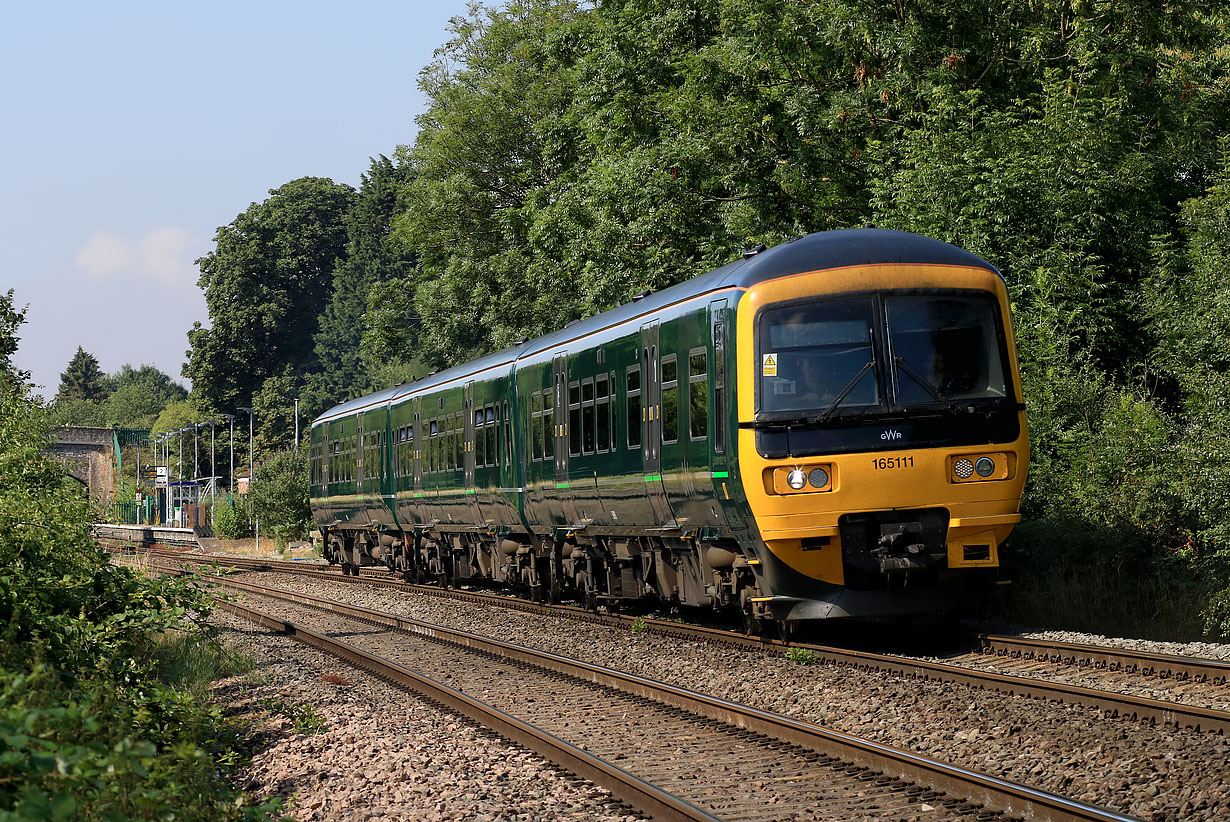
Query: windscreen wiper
point(927, 385)
point(827, 412)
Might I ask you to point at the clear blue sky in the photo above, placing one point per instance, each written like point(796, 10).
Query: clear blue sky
point(129, 131)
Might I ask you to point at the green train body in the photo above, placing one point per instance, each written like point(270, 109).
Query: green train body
point(637, 454)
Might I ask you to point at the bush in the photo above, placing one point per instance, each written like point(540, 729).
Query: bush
point(230, 517)
point(93, 724)
point(279, 496)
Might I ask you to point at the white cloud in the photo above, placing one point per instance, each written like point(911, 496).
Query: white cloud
point(105, 254)
point(163, 255)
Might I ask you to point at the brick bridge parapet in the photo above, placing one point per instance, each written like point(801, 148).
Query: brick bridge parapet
point(88, 454)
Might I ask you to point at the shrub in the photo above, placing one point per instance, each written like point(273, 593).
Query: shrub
point(279, 496)
point(230, 517)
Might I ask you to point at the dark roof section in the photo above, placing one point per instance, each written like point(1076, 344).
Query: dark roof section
point(813, 252)
point(855, 246)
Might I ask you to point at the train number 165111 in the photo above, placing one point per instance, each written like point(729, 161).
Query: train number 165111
point(884, 463)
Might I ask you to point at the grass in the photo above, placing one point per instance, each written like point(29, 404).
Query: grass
point(188, 664)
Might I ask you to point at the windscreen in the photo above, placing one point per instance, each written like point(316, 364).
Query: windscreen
point(944, 348)
point(813, 354)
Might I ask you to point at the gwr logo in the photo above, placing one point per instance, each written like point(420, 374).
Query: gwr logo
point(891, 434)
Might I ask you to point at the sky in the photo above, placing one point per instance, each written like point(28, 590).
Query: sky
point(130, 131)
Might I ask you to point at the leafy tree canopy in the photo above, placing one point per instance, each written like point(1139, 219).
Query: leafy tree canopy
point(265, 284)
point(342, 373)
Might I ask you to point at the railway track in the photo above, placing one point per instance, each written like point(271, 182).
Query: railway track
point(673, 753)
point(1210, 674)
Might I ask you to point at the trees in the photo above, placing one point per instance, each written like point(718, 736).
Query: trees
point(626, 146)
point(341, 371)
point(265, 284)
point(139, 395)
point(82, 379)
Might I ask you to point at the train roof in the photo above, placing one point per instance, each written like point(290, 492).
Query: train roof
point(812, 252)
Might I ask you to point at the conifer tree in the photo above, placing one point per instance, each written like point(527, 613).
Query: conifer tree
point(83, 379)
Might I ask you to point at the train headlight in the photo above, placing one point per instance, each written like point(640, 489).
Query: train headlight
point(818, 478)
point(981, 467)
point(963, 468)
point(796, 479)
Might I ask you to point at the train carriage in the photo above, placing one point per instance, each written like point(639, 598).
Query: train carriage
point(831, 427)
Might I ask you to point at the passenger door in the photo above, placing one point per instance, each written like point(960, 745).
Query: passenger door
point(651, 431)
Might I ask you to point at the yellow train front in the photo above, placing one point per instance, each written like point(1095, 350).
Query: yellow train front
point(882, 444)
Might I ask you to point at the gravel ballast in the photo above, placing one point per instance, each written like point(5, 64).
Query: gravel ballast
point(385, 754)
point(1155, 773)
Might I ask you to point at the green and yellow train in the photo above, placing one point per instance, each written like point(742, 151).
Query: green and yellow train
point(831, 427)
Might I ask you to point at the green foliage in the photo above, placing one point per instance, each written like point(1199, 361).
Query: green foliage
point(279, 496)
point(176, 414)
point(230, 517)
point(10, 321)
point(639, 625)
point(92, 413)
point(627, 146)
point(370, 259)
point(303, 717)
point(801, 656)
point(265, 283)
point(82, 379)
point(89, 729)
point(139, 395)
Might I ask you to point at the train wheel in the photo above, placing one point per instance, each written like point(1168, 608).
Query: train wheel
point(408, 575)
point(785, 629)
point(591, 603)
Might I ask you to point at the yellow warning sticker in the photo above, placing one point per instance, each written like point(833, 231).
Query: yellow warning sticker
point(769, 366)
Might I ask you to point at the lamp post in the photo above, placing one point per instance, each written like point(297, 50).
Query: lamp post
point(231, 417)
point(251, 414)
point(213, 467)
point(196, 452)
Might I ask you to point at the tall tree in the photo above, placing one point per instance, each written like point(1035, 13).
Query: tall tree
point(266, 283)
point(82, 379)
point(370, 258)
point(139, 395)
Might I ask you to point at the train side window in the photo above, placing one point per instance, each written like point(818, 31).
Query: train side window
point(698, 394)
point(587, 416)
point(602, 389)
point(480, 440)
point(670, 399)
point(548, 419)
point(452, 446)
point(507, 437)
point(493, 429)
point(574, 419)
point(536, 425)
point(459, 441)
point(431, 446)
point(634, 406)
